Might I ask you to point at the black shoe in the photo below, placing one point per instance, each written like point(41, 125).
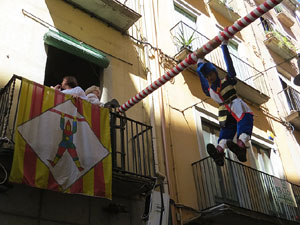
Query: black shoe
point(240, 152)
point(215, 154)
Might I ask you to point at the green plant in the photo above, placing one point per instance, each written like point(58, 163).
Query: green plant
point(278, 9)
point(184, 42)
point(283, 40)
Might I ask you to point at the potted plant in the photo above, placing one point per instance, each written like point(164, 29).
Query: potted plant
point(184, 42)
point(283, 41)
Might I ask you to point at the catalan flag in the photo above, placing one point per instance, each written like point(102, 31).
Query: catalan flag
point(61, 143)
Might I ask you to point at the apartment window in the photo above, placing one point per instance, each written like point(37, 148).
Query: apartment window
point(67, 56)
point(211, 133)
point(292, 96)
point(60, 64)
point(266, 24)
point(185, 16)
point(297, 13)
point(262, 158)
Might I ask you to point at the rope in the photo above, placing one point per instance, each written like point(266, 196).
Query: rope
point(226, 34)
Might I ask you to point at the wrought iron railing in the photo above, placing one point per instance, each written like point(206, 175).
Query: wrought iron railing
point(245, 72)
point(132, 149)
point(290, 101)
point(242, 186)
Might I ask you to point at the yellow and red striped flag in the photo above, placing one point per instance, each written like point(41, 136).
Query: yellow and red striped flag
point(61, 143)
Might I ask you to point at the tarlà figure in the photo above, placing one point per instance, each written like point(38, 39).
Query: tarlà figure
point(67, 142)
point(235, 116)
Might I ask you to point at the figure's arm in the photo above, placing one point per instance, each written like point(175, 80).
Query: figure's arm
point(227, 58)
point(204, 82)
point(62, 121)
point(74, 129)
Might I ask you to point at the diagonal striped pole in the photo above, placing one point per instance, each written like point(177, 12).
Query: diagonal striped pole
point(192, 58)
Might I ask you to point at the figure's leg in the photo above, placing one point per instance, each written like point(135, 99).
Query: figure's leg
point(73, 153)
point(244, 131)
point(58, 155)
point(226, 133)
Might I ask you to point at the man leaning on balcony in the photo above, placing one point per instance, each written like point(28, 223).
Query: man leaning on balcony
point(235, 116)
point(70, 86)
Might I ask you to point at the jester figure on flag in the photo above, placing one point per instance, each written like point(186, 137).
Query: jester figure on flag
point(62, 143)
point(67, 142)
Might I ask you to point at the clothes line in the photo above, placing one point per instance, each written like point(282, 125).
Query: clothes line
point(192, 58)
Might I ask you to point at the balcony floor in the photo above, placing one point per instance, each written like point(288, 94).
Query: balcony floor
point(294, 118)
point(125, 184)
point(230, 215)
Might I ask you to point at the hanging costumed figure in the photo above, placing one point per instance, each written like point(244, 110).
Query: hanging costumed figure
point(67, 142)
point(235, 116)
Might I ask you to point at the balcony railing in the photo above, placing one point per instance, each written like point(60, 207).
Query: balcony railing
point(132, 149)
point(131, 141)
point(243, 187)
point(290, 101)
point(276, 41)
point(245, 72)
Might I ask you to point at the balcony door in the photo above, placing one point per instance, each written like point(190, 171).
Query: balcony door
point(186, 18)
point(182, 14)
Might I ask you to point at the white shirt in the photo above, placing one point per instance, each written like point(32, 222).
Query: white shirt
point(75, 91)
point(92, 98)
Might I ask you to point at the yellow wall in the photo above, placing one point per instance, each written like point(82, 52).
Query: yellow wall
point(185, 91)
point(23, 51)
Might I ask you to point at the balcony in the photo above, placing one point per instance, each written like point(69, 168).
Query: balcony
point(235, 193)
point(112, 12)
point(283, 16)
point(290, 110)
point(280, 44)
point(133, 168)
point(228, 10)
point(251, 84)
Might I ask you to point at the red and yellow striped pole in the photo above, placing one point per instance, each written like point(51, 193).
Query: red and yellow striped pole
point(227, 33)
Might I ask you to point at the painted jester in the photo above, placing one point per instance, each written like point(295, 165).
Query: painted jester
point(67, 142)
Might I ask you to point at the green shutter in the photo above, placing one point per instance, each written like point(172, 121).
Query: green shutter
point(73, 46)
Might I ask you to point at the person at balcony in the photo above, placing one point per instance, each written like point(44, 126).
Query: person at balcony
point(235, 116)
point(70, 86)
point(93, 94)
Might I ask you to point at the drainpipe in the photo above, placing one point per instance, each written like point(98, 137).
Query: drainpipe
point(163, 130)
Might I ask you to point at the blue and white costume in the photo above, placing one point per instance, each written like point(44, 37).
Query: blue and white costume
point(235, 116)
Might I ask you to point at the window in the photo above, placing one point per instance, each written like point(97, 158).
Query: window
point(292, 96)
point(297, 12)
point(210, 133)
point(266, 24)
point(61, 63)
point(68, 56)
point(185, 16)
point(262, 158)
